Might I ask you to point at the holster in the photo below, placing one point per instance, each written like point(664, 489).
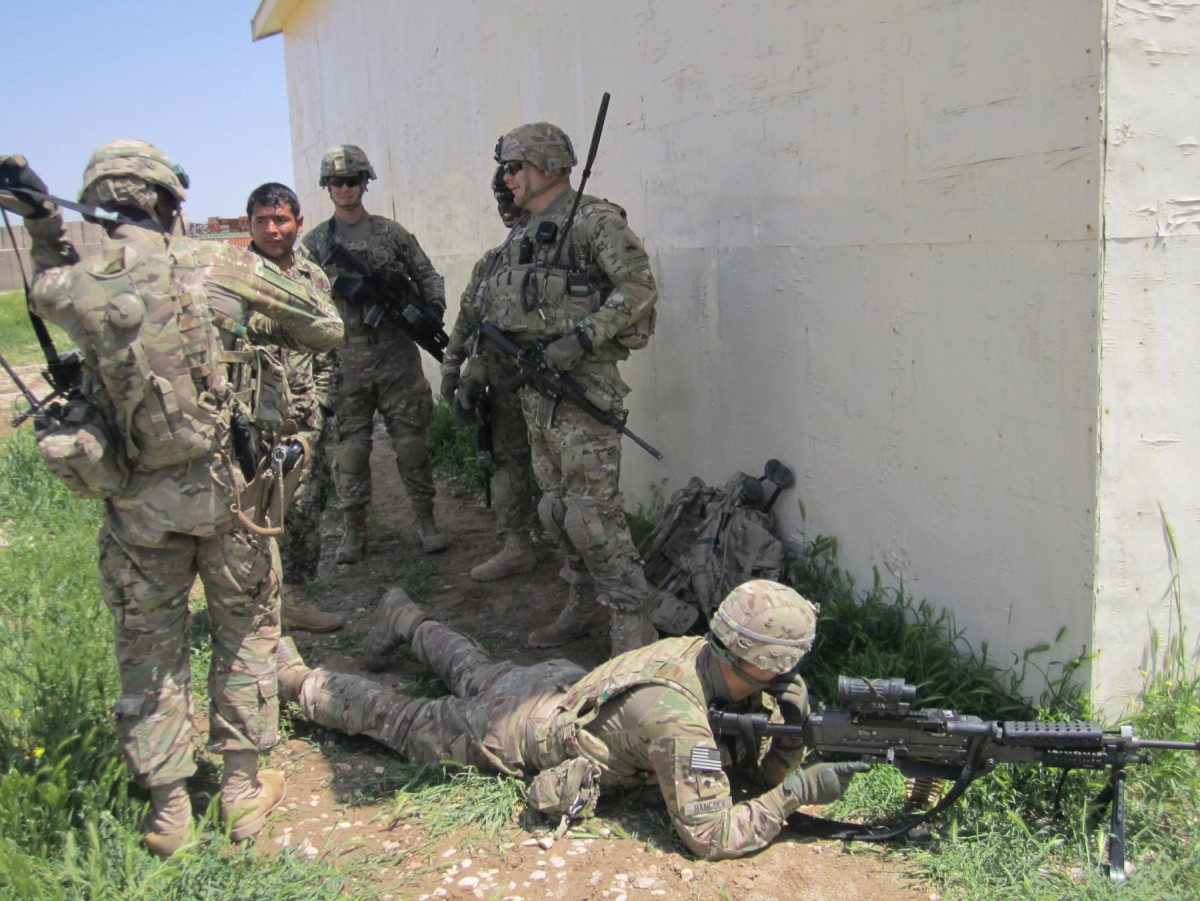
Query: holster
point(263, 503)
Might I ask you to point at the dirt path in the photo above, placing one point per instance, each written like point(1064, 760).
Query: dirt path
point(331, 780)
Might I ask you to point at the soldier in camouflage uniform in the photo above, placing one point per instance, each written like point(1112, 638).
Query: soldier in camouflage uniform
point(591, 295)
point(164, 325)
point(639, 719)
point(379, 367)
point(275, 221)
point(462, 387)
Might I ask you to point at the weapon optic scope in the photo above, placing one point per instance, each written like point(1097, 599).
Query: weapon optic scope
point(876, 693)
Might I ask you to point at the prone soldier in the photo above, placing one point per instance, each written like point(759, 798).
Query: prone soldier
point(640, 719)
point(168, 328)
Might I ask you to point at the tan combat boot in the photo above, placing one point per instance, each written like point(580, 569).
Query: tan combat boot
point(432, 541)
point(514, 558)
point(395, 621)
point(354, 536)
point(576, 619)
point(297, 614)
point(248, 794)
point(628, 631)
point(291, 668)
point(169, 824)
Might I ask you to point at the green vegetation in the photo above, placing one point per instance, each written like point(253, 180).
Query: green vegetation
point(17, 340)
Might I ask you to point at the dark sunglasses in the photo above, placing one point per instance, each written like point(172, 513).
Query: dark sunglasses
point(345, 181)
point(512, 167)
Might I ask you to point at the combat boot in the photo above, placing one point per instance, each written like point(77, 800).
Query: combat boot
point(291, 668)
point(395, 622)
point(576, 619)
point(432, 541)
point(354, 536)
point(296, 614)
point(514, 558)
point(628, 631)
point(248, 794)
point(169, 824)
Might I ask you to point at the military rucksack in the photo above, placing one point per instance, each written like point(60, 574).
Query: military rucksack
point(709, 541)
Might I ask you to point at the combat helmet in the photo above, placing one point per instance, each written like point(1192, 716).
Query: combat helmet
point(344, 159)
point(540, 143)
point(765, 624)
point(123, 173)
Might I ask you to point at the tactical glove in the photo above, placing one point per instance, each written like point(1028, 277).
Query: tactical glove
point(791, 694)
point(564, 354)
point(822, 783)
point(449, 386)
point(15, 174)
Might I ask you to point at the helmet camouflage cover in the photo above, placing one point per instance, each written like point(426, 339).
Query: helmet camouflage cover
point(121, 172)
point(766, 624)
point(344, 159)
point(540, 143)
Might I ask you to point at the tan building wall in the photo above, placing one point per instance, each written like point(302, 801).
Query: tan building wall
point(879, 231)
point(84, 235)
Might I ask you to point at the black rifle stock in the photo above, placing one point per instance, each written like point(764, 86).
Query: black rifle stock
point(556, 385)
point(878, 725)
point(389, 295)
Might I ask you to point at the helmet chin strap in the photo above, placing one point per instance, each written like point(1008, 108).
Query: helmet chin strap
point(735, 664)
point(562, 176)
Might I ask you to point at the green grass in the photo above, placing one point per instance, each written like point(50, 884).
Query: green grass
point(17, 340)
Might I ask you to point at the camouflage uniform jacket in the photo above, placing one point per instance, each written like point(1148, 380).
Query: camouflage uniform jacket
point(246, 302)
point(389, 245)
point(645, 713)
point(601, 288)
point(310, 376)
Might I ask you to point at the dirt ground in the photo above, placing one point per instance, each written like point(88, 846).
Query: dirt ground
point(329, 776)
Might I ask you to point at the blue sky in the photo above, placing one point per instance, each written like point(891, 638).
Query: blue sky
point(183, 75)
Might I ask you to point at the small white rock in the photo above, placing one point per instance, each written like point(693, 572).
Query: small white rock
point(537, 875)
point(468, 882)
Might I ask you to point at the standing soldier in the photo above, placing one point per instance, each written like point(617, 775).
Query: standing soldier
point(275, 222)
point(379, 365)
point(160, 428)
point(462, 388)
point(586, 288)
point(640, 719)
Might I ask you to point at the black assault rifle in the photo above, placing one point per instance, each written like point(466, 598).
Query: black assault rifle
point(389, 295)
point(557, 385)
point(877, 725)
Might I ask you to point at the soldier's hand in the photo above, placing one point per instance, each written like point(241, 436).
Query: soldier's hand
point(16, 175)
point(564, 354)
point(822, 783)
point(449, 386)
point(791, 694)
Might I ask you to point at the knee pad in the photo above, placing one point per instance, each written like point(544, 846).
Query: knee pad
point(584, 524)
point(354, 459)
point(411, 451)
point(552, 511)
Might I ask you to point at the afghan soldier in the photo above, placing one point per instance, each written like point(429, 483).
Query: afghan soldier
point(275, 222)
point(639, 719)
point(488, 378)
point(165, 326)
point(586, 288)
point(379, 365)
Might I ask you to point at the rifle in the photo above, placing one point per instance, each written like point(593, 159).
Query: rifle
point(557, 385)
point(877, 725)
point(392, 295)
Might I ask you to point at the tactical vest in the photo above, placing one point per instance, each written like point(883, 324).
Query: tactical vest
point(168, 370)
point(671, 663)
point(529, 297)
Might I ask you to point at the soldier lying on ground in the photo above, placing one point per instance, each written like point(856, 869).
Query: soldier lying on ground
point(639, 719)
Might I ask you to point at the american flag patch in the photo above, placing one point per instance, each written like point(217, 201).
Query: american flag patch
point(706, 760)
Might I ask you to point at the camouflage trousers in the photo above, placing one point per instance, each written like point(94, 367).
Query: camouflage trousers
point(491, 721)
point(385, 375)
point(146, 589)
point(512, 499)
point(577, 463)
point(300, 546)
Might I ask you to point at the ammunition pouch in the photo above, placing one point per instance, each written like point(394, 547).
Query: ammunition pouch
point(569, 790)
point(77, 450)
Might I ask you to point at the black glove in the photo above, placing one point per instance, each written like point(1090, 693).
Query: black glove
point(15, 175)
point(822, 783)
point(792, 697)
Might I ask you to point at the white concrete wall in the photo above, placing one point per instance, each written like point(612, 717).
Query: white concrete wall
point(1150, 362)
point(876, 227)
